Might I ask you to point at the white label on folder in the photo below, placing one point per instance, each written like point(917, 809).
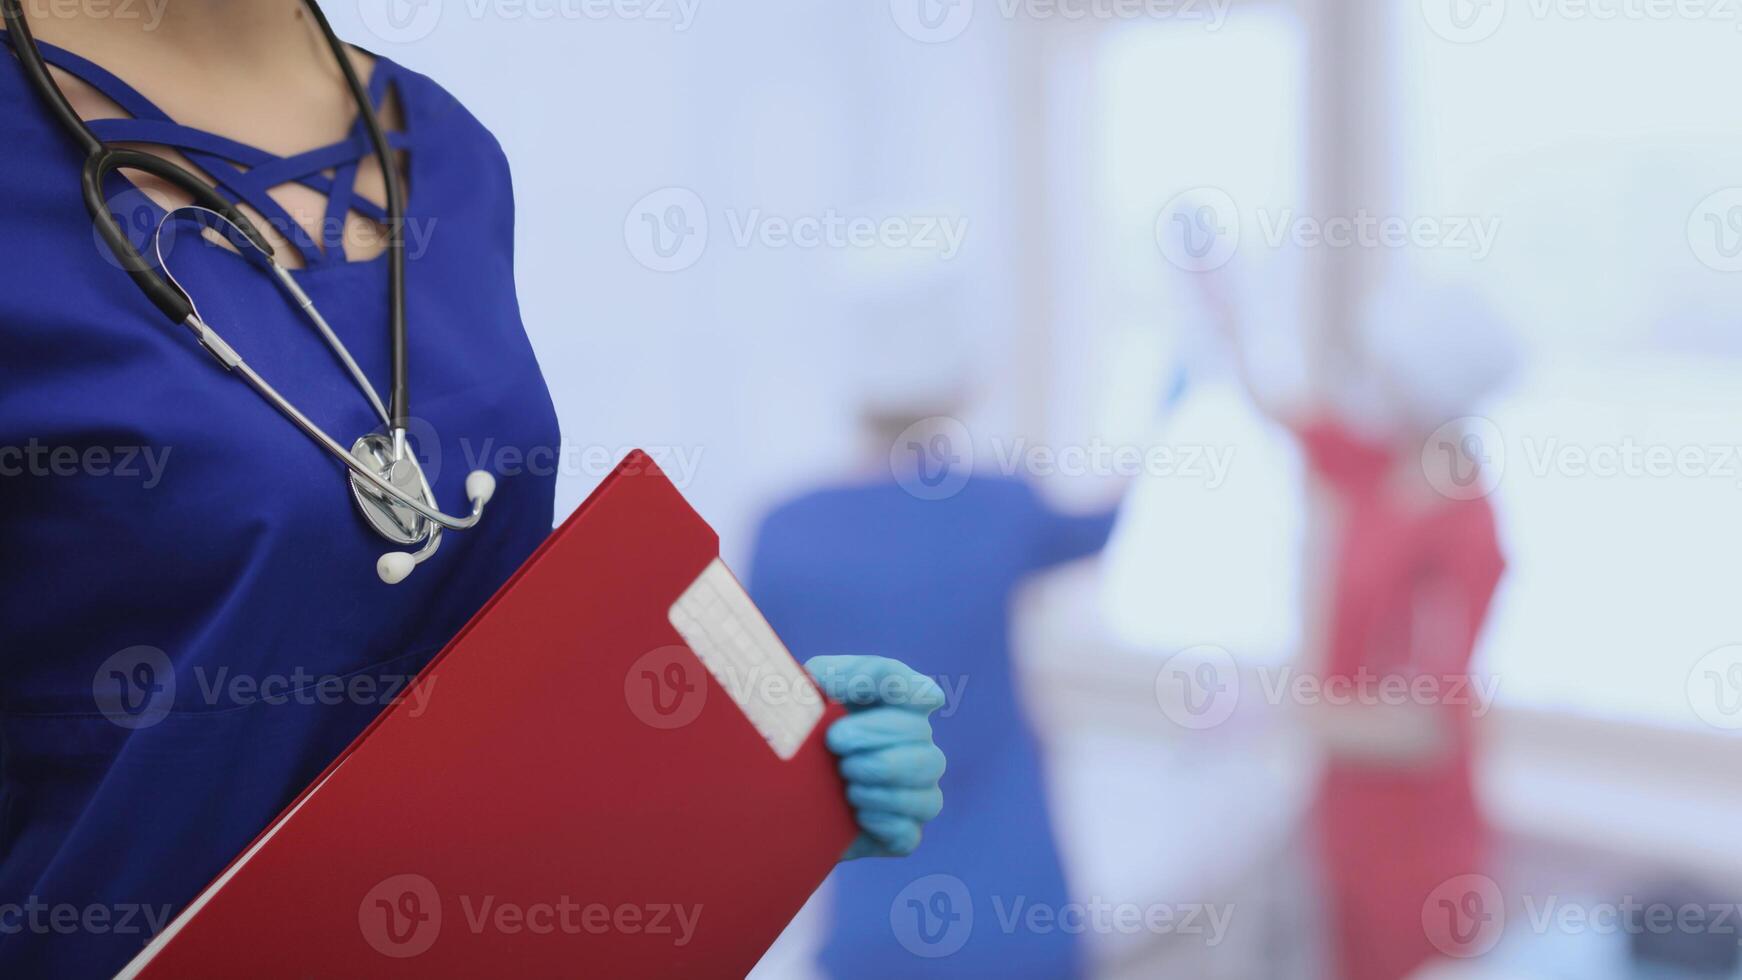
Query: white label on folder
point(729, 635)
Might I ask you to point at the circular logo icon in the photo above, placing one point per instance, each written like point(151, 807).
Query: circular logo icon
point(138, 216)
point(667, 231)
point(401, 917)
point(1198, 687)
point(933, 917)
point(1465, 458)
point(666, 688)
point(1465, 916)
point(1199, 230)
point(135, 688)
point(1464, 21)
point(400, 21)
point(1715, 231)
point(933, 459)
point(932, 21)
point(1715, 688)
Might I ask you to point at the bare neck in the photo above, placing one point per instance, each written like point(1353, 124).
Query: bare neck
point(215, 34)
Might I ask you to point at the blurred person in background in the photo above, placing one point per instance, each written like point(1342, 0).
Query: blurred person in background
point(1409, 562)
point(923, 555)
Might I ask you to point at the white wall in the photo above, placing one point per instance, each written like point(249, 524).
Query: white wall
point(794, 108)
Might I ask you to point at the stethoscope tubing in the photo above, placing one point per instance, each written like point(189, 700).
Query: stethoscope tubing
point(159, 284)
point(303, 422)
point(226, 355)
point(399, 396)
point(102, 160)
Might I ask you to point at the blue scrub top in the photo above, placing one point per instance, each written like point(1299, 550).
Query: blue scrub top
point(872, 569)
point(191, 626)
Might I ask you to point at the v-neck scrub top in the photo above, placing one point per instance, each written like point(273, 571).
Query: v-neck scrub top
point(191, 626)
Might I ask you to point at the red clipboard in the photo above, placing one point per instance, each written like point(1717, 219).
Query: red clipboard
point(566, 790)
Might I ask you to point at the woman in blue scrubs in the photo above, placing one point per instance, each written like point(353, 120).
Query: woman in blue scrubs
point(165, 534)
point(908, 566)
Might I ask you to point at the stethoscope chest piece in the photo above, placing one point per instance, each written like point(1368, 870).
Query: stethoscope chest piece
point(393, 520)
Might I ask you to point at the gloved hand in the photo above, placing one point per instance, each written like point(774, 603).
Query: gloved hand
point(888, 758)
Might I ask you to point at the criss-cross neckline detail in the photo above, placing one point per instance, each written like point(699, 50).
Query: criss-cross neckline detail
point(247, 174)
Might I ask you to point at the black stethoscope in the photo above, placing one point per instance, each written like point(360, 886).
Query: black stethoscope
point(388, 484)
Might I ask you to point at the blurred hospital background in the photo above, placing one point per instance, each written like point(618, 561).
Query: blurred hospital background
point(1342, 303)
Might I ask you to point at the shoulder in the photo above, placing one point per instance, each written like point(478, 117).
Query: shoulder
point(842, 508)
point(804, 510)
point(999, 497)
point(1008, 489)
point(828, 512)
point(434, 113)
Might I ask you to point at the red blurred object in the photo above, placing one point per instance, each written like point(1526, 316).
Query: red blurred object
point(1390, 833)
point(537, 816)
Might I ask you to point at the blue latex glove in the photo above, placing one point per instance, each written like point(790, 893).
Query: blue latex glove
point(888, 758)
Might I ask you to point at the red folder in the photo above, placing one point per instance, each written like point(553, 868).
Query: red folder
point(535, 805)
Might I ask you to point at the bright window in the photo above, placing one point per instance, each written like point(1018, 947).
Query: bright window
point(1595, 144)
point(1176, 109)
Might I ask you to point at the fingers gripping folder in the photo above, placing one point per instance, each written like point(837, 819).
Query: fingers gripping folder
point(615, 770)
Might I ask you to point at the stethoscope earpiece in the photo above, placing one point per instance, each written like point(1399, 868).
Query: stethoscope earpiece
point(397, 566)
point(480, 486)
